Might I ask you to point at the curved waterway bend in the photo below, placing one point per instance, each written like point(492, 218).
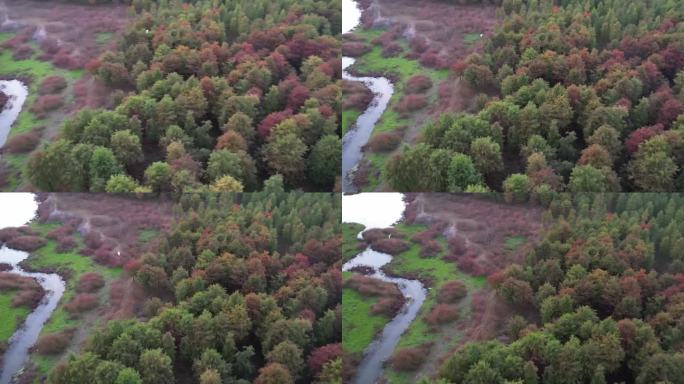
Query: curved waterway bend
point(18, 209)
point(381, 210)
point(17, 92)
point(382, 88)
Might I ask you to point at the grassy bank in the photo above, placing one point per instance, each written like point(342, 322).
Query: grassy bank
point(34, 71)
point(399, 69)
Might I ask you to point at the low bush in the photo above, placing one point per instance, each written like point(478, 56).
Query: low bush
point(24, 142)
point(90, 282)
point(22, 52)
point(411, 103)
point(442, 314)
point(384, 142)
point(452, 292)
point(26, 243)
point(355, 49)
point(81, 303)
point(430, 248)
point(47, 103)
point(54, 343)
point(457, 244)
point(391, 49)
point(418, 84)
point(51, 85)
point(408, 359)
point(431, 60)
point(390, 246)
point(65, 244)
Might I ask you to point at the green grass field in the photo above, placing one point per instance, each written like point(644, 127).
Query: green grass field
point(349, 240)
point(10, 317)
point(359, 327)
point(103, 37)
point(349, 118)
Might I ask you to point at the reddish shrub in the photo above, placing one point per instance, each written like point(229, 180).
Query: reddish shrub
point(355, 49)
point(452, 292)
point(52, 85)
point(418, 84)
point(430, 248)
point(47, 103)
point(24, 142)
point(93, 240)
point(65, 244)
point(457, 244)
point(384, 142)
point(356, 95)
point(431, 60)
point(26, 243)
point(410, 103)
point(408, 359)
point(391, 299)
point(49, 45)
point(81, 303)
point(391, 49)
point(322, 355)
point(419, 44)
point(442, 314)
point(54, 343)
point(62, 231)
point(390, 246)
point(22, 52)
point(90, 282)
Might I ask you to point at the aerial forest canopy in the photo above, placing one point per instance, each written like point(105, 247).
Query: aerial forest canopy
point(599, 298)
point(576, 95)
point(245, 288)
point(217, 95)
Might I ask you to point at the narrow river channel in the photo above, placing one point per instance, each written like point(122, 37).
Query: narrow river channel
point(382, 88)
point(19, 209)
point(381, 210)
point(17, 92)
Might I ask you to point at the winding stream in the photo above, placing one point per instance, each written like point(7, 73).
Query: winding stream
point(17, 92)
point(382, 89)
point(385, 210)
point(18, 209)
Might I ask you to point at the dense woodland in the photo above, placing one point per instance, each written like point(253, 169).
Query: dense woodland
point(245, 288)
point(576, 95)
point(210, 94)
point(598, 300)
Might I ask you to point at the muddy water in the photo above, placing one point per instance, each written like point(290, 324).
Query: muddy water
point(18, 209)
point(17, 92)
point(382, 89)
point(381, 210)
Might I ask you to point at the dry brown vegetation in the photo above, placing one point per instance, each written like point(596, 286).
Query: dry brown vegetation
point(477, 228)
point(24, 142)
point(410, 358)
point(29, 291)
point(81, 303)
point(452, 292)
point(390, 298)
point(54, 343)
point(356, 95)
